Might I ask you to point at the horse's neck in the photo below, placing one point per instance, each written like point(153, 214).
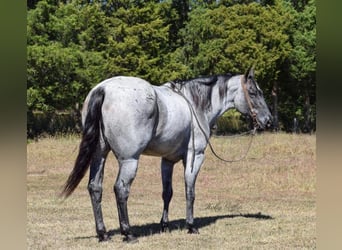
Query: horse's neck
point(219, 106)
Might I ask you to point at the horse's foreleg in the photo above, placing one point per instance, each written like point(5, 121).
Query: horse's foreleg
point(166, 173)
point(95, 192)
point(190, 175)
point(127, 173)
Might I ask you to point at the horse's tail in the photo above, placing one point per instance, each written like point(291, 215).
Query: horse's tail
point(90, 139)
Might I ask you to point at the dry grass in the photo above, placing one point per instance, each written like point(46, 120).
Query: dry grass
point(266, 201)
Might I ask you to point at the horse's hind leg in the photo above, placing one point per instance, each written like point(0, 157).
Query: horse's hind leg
point(95, 192)
point(127, 173)
point(166, 172)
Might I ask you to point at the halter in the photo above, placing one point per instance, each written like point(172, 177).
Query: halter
point(250, 106)
point(252, 132)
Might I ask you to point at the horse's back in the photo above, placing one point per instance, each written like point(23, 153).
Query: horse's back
point(119, 89)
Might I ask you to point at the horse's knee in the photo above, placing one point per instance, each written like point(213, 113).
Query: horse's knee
point(94, 189)
point(121, 191)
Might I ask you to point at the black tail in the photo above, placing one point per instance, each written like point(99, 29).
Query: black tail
point(90, 139)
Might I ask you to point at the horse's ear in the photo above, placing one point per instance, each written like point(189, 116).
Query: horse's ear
point(249, 73)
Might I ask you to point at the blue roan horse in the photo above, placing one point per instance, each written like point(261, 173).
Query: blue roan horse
point(130, 117)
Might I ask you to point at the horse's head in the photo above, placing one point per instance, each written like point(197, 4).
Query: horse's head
point(250, 100)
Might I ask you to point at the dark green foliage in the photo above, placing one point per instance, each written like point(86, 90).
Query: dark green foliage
point(138, 43)
point(73, 45)
point(51, 123)
point(299, 77)
point(231, 122)
point(234, 38)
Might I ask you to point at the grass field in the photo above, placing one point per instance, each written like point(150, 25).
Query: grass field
point(266, 201)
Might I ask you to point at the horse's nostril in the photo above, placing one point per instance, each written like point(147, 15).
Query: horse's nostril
point(269, 123)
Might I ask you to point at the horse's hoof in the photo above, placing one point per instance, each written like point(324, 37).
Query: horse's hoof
point(104, 237)
point(164, 228)
point(131, 239)
point(193, 230)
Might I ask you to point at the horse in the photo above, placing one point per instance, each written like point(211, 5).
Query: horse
point(129, 116)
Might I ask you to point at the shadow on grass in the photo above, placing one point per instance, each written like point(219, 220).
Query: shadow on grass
point(154, 228)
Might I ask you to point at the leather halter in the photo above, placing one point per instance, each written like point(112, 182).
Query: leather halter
point(248, 99)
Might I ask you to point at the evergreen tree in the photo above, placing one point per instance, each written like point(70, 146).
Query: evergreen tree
point(303, 64)
point(72, 45)
point(233, 38)
point(63, 62)
point(138, 42)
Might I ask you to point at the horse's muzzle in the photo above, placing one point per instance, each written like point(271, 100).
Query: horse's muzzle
point(269, 123)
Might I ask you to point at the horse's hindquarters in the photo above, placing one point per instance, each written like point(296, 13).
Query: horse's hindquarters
point(129, 115)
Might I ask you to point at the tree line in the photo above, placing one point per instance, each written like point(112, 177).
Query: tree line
point(74, 44)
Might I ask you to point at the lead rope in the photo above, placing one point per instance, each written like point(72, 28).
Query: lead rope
point(252, 132)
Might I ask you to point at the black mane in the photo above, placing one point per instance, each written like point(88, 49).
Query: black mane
point(200, 88)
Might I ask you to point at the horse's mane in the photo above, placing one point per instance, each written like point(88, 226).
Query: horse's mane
point(200, 88)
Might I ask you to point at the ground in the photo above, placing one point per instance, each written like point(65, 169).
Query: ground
point(267, 201)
